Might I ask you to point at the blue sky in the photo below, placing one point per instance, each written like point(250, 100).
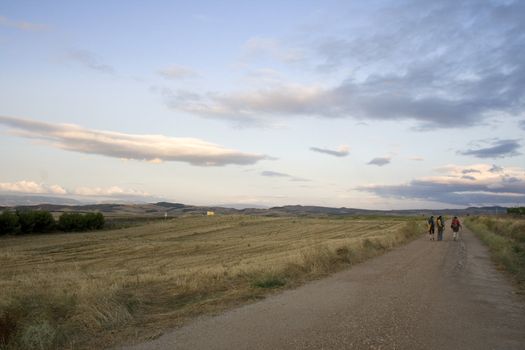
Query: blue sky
point(388, 104)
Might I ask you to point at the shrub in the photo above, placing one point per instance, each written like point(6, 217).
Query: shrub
point(44, 221)
point(71, 222)
point(80, 222)
point(35, 221)
point(516, 210)
point(7, 328)
point(269, 280)
point(26, 221)
point(8, 222)
point(94, 221)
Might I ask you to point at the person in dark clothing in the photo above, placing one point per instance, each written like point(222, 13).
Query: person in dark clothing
point(440, 223)
point(431, 228)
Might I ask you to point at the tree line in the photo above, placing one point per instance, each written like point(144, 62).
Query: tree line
point(516, 210)
point(40, 221)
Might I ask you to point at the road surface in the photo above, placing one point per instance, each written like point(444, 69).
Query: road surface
point(424, 295)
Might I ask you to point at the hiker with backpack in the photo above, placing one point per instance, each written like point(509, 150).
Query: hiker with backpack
point(456, 225)
point(431, 227)
point(440, 222)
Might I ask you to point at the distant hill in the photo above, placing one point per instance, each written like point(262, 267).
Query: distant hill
point(7, 200)
point(176, 209)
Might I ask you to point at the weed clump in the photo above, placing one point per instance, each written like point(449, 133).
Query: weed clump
point(269, 281)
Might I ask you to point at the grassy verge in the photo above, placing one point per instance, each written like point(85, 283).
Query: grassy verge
point(505, 237)
point(94, 290)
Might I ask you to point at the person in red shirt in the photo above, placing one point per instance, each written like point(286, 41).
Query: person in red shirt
point(455, 225)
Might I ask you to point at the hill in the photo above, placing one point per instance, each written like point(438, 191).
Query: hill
point(160, 209)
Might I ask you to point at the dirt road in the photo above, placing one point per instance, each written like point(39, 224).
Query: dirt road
point(425, 295)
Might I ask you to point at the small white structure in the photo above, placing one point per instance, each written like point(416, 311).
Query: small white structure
point(210, 213)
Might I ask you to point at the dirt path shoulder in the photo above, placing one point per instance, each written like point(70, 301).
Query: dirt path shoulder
point(425, 295)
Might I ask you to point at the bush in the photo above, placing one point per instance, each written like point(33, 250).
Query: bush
point(44, 221)
point(94, 221)
point(8, 222)
point(35, 221)
point(40, 221)
point(516, 211)
point(269, 280)
point(80, 222)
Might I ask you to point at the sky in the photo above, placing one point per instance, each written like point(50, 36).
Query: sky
point(377, 104)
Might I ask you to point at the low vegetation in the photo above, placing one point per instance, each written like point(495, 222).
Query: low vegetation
point(92, 290)
point(516, 211)
point(505, 237)
point(41, 221)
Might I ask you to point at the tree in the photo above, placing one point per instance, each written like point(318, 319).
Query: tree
point(80, 222)
point(44, 221)
point(39, 221)
point(8, 222)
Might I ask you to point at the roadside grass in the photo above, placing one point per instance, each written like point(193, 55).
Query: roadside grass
point(505, 237)
point(94, 290)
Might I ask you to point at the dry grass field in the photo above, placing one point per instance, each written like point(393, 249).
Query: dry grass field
point(505, 237)
point(93, 290)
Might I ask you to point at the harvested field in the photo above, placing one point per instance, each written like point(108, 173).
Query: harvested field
point(94, 289)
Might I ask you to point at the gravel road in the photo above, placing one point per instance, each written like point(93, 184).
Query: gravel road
point(425, 295)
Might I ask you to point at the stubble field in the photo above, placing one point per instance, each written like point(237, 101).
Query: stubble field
point(92, 290)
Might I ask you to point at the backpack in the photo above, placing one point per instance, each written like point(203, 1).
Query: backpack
point(455, 223)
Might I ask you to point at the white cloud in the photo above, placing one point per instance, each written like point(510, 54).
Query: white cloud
point(22, 25)
point(55, 189)
point(259, 47)
point(108, 191)
point(176, 72)
point(152, 148)
point(253, 107)
point(31, 187)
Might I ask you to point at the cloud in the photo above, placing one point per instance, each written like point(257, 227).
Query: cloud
point(107, 191)
point(22, 25)
point(379, 161)
point(31, 187)
point(153, 148)
point(488, 188)
point(470, 171)
point(269, 173)
point(342, 151)
point(417, 158)
point(495, 169)
point(176, 72)
point(259, 47)
point(521, 124)
point(499, 149)
point(247, 108)
point(89, 60)
point(460, 67)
